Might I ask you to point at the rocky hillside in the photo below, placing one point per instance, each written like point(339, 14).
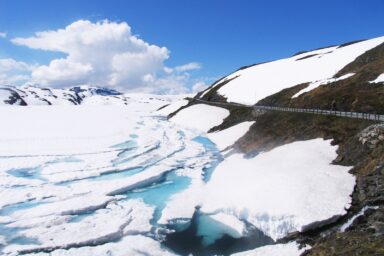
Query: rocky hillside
point(347, 77)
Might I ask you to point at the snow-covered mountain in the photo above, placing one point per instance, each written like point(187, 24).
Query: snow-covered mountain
point(33, 95)
point(311, 69)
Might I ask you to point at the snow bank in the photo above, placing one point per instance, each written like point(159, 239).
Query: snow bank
point(289, 249)
point(379, 79)
point(172, 107)
point(200, 117)
point(71, 206)
point(260, 81)
point(229, 136)
point(316, 84)
point(350, 221)
point(283, 190)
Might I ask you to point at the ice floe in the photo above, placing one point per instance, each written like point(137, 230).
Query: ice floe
point(128, 245)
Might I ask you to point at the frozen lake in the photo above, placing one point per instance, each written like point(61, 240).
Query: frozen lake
point(84, 179)
point(125, 180)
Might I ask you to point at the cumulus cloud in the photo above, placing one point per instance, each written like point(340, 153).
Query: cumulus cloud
point(105, 53)
point(199, 86)
point(14, 72)
point(7, 65)
point(63, 71)
point(3, 35)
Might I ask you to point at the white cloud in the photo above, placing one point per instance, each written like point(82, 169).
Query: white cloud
point(7, 65)
point(14, 72)
point(188, 67)
point(62, 71)
point(3, 35)
point(199, 86)
point(105, 53)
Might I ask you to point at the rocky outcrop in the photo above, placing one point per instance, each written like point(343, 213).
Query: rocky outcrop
point(372, 136)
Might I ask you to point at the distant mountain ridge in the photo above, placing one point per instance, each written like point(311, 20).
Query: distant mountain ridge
point(33, 95)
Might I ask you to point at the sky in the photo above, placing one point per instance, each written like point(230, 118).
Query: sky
point(167, 46)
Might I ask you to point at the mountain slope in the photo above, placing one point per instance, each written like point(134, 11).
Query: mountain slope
point(347, 78)
point(361, 92)
point(251, 84)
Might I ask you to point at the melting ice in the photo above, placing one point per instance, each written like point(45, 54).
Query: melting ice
point(122, 180)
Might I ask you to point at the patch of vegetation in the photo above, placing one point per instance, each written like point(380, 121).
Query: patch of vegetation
point(236, 116)
point(349, 243)
point(282, 98)
point(160, 108)
point(273, 129)
point(212, 94)
point(350, 43)
point(307, 57)
point(370, 62)
point(301, 52)
point(252, 65)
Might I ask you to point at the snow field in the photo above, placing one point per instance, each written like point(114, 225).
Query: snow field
point(257, 82)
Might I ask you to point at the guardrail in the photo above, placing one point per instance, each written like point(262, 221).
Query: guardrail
point(356, 115)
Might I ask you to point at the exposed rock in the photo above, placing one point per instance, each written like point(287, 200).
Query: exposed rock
point(372, 135)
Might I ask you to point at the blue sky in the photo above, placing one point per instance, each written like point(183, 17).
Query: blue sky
point(220, 35)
